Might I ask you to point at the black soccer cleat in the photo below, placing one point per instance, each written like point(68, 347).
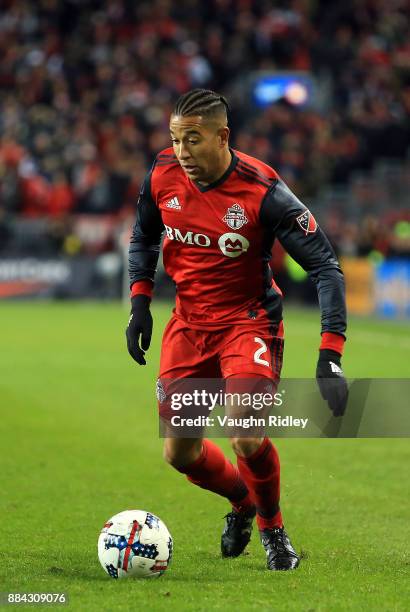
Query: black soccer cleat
point(236, 533)
point(280, 554)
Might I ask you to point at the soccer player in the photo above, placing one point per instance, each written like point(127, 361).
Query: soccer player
point(221, 210)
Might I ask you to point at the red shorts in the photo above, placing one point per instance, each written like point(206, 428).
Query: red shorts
point(234, 351)
point(235, 354)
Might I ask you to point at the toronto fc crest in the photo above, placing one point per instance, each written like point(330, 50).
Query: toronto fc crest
point(235, 217)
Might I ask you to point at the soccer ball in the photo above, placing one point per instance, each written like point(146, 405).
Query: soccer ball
point(135, 544)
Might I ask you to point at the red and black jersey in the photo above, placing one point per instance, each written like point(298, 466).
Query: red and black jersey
point(218, 241)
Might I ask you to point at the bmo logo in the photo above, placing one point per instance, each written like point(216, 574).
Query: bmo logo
point(233, 245)
point(188, 238)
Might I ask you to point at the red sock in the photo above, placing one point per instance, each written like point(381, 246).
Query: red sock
point(261, 474)
point(214, 472)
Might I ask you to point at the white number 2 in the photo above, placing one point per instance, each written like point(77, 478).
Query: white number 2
point(263, 349)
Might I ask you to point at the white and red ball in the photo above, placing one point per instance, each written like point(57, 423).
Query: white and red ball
point(135, 544)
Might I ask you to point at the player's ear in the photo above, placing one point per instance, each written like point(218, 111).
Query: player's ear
point(223, 136)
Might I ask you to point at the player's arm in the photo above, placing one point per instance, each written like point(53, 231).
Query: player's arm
point(142, 264)
point(303, 239)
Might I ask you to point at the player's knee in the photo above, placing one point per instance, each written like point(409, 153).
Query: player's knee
point(172, 456)
point(181, 455)
point(245, 447)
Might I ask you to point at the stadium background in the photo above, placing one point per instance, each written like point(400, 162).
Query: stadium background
point(319, 90)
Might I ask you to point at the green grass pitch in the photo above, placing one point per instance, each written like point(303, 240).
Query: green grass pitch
point(79, 443)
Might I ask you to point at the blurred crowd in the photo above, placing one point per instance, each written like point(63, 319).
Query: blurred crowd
point(86, 88)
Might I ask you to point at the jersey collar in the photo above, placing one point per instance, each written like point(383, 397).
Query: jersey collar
point(222, 179)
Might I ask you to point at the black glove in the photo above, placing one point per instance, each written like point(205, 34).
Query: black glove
point(139, 326)
point(331, 381)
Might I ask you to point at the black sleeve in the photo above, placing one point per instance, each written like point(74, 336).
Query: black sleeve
point(296, 229)
point(146, 237)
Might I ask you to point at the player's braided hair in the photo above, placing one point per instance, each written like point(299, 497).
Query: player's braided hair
point(201, 102)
